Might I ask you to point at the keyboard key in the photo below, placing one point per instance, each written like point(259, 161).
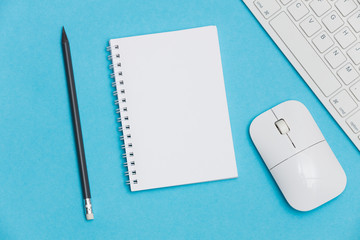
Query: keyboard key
point(320, 7)
point(345, 37)
point(298, 10)
point(332, 21)
point(323, 42)
point(355, 89)
point(348, 74)
point(310, 26)
point(354, 122)
point(354, 21)
point(343, 103)
point(345, 6)
point(335, 58)
point(267, 7)
point(285, 1)
point(354, 53)
point(307, 57)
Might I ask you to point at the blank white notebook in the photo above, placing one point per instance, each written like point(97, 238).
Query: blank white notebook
point(173, 110)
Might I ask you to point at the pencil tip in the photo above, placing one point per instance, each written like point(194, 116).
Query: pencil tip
point(64, 37)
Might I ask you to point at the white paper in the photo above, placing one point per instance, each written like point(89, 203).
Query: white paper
point(177, 109)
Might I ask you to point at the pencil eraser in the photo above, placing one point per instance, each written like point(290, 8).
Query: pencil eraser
point(90, 216)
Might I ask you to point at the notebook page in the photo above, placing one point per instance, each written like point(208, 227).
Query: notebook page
point(176, 103)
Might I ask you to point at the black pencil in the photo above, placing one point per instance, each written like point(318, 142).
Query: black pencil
point(77, 127)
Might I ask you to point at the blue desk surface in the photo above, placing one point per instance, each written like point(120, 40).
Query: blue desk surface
point(40, 188)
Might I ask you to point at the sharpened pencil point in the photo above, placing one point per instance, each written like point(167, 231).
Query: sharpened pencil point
point(64, 37)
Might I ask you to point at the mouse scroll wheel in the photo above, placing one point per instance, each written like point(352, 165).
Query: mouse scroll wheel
point(282, 126)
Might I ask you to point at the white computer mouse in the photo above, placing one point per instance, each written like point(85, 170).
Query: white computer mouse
point(298, 156)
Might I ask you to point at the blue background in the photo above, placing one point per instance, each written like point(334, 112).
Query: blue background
point(39, 180)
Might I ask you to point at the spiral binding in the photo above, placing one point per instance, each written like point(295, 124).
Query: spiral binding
point(122, 110)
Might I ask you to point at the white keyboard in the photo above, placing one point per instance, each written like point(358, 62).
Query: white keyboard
point(321, 38)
